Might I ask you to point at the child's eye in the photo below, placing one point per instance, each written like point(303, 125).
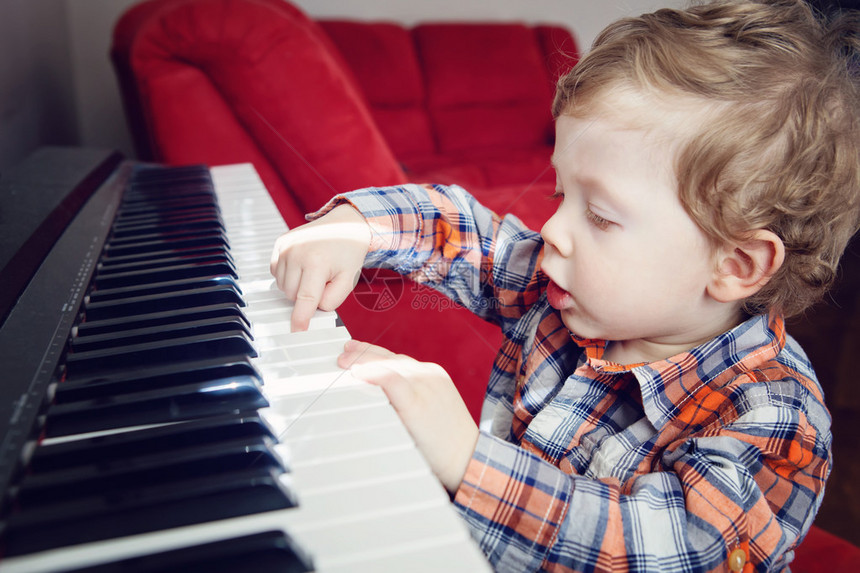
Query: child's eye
point(556, 195)
point(597, 220)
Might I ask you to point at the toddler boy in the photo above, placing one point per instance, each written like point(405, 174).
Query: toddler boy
point(647, 410)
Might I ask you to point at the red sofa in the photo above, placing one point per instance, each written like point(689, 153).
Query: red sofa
point(321, 107)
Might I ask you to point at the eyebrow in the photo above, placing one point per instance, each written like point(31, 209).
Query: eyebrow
point(608, 198)
point(597, 187)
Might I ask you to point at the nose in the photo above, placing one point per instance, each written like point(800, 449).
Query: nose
point(553, 235)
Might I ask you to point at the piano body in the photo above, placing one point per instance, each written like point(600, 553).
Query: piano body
point(157, 413)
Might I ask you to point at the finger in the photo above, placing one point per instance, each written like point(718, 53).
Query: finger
point(386, 374)
point(308, 295)
point(380, 373)
point(275, 257)
point(277, 268)
point(278, 259)
point(336, 291)
point(289, 279)
point(287, 276)
point(357, 352)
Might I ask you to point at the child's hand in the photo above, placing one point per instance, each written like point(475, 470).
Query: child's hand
point(427, 402)
point(317, 264)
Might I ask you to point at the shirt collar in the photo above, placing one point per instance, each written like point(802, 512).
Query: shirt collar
point(667, 384)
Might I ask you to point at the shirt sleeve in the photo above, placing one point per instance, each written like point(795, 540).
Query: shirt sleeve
point(753, 485)
point(442, 237)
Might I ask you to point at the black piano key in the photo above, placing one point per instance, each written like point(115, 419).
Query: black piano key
point(154, 215)
point(165, 200)
point(106, 260)
point(168, 192)
point(62, 455)
point(167, 189)
point(165, 192)
point(154, 203)
point(125, 220)
point(169, 273)
point(219, 294)
point(156, 333)
point(165, 233)
point(144, 174)
point(119, 514)
point(151, 261)
point(154, 376)
point(185, 402)
point(186, 349)
point(164, 227)
point(210, 239)
point(265, 552)
point(149, 289)
point(117, 475)
point(121, 323)
point(169, 181)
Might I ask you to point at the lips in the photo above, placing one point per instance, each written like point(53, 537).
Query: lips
point(558, 299)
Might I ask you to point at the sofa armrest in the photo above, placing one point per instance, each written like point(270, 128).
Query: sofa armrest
point(252, 80)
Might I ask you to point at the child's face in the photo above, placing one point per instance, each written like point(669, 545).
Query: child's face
point(626, 261)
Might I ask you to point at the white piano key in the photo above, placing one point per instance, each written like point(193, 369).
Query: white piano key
point(256, 261)
point(264, 284)
point(275, 315)
point(280, 347)
point(253, 277)
point(272, 351)
point(438, 555)
point(325, 370)
point(316, 408)
point(275, 305)
point(259, 243)
point(286, 380)
point(277, 330)
point(358, 468)
point(341, 544)
point(291, 426)
point(323, 507)
point(264, 295)
point(340, 447)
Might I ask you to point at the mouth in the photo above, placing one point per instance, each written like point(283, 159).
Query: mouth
point(557, 297)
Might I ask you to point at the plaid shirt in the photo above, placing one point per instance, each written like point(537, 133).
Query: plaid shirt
point(586, 465)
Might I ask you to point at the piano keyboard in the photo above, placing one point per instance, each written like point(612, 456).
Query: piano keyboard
point(356, 494)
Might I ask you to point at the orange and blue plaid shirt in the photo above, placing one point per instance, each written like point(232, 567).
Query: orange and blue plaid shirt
point(586, 465)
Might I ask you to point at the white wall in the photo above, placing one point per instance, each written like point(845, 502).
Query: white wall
point(65, 82)
point(36, 99)
point(98, 107)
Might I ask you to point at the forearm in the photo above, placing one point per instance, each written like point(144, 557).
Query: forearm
point(443, 238)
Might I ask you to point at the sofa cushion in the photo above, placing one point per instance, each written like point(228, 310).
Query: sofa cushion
point(487, 86)
point(382, 58)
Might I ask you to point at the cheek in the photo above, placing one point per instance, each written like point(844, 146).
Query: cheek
point(684, 260)
point(601, 278)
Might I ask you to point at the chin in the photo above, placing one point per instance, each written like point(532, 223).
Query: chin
point(574, 323)
point(587, 330)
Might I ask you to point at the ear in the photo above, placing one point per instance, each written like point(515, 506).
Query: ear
point(743, 268)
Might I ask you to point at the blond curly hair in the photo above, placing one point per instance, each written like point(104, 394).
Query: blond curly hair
point(780, 149)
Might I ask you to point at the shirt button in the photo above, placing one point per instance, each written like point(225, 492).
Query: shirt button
point(737, 560)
